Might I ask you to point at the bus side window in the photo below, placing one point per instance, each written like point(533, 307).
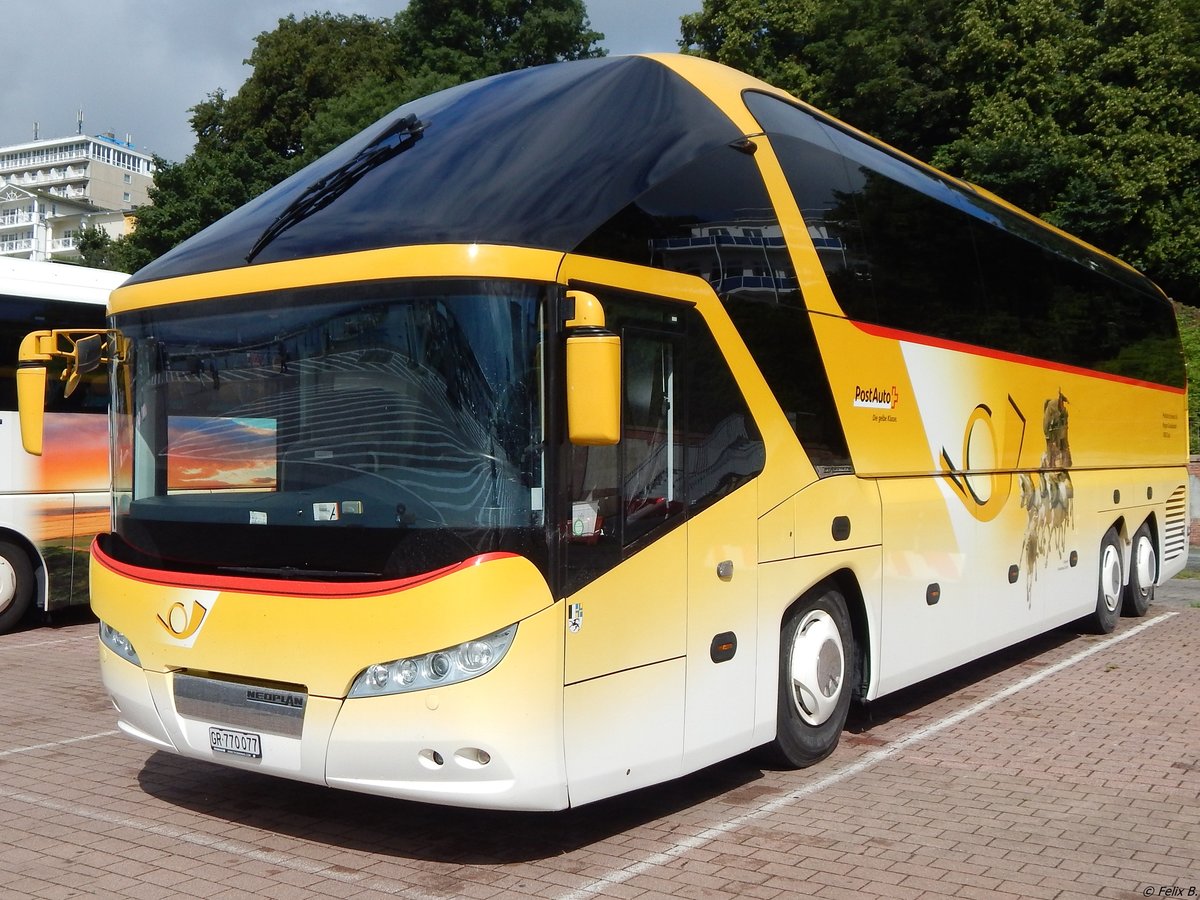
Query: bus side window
point(723, 448)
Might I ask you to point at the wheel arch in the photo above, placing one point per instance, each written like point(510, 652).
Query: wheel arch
point(846, 583)
point(1125, 542)
point(36, 562)
point(1151, 523)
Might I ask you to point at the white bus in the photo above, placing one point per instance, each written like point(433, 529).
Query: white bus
point(53, 505)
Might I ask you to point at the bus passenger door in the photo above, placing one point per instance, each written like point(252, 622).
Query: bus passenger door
point(722, 452)
point(626, 578)
point(722, 629)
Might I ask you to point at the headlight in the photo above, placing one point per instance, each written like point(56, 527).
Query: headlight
point(462, 663)
point(118, 644)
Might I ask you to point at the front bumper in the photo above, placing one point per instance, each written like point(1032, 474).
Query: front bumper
point(492, 742)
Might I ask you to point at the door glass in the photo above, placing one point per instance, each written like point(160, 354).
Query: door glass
point(687, 439)
point(651, 470)
point(621, 493)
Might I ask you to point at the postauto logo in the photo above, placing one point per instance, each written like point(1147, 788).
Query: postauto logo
point(876, 397)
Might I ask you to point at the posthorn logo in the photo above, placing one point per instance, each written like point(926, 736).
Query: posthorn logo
point(181, 623)
point(876, 397)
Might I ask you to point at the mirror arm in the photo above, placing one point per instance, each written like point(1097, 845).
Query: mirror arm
point(83, 351)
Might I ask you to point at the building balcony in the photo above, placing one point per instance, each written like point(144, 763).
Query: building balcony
point(38, 160)
point(63, 245)
point(29, 179)
point(68, 193)
point(12, 219)
point(9, 248)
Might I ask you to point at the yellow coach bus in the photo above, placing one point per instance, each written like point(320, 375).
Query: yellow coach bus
point(573, 429)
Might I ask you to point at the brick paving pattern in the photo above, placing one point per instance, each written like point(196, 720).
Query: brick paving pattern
point(1078, 782)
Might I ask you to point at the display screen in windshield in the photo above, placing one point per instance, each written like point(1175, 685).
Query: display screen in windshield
point(372, 430)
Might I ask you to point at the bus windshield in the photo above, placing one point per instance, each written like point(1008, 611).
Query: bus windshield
point(365, 431)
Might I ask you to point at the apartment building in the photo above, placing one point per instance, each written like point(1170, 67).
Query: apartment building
point(51, 189)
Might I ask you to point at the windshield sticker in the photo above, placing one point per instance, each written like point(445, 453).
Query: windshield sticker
point(351, 508)
point(258, 518)
point(584, 517)
point(325, 512)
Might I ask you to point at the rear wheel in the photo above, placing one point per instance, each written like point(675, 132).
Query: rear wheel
point(1143, 570)
point(1112, 577)
point(16, 586)
point(816, 678)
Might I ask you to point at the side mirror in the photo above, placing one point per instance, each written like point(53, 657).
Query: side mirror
point(31, 406)
point(85, 351)
point(593, 375)
point(36, 350)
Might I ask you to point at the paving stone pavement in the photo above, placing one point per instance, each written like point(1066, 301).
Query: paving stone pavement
point(1066, 767)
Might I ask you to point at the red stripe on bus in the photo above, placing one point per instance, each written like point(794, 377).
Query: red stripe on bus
point(976, 350)
point(286, 587)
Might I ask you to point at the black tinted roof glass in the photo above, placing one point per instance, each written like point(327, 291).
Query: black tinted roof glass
point(536, 158)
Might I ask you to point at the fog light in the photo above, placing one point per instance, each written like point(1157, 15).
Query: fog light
point(472, 758)
point(430, 759)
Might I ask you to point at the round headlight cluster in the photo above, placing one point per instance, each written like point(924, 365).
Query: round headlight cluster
point(449, 666)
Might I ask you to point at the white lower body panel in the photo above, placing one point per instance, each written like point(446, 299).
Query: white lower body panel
point(492, 742)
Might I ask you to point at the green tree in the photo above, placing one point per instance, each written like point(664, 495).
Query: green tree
point(468, 39)
point(95, 247)
point(297, 68)
point(99, 250)
point(765, 38)
point(878, 64)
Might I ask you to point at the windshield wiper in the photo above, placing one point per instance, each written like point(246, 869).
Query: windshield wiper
point(395, 139)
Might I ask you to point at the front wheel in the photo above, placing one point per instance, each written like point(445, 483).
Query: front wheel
point(1143, 569)
point(16, 586)
point(1112, 577)
point(816, 678)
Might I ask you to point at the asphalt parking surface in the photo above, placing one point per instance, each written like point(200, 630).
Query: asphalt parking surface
point(1066, 767)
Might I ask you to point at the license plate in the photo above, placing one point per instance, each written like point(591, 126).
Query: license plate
point(239, 743)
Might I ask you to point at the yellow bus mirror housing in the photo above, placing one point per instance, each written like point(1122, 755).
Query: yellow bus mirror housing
point(31, 406)
point(593, 375)
point(82, 350)
point(36, 350)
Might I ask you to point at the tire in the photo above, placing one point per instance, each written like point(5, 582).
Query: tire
point(1143, 570)
point(1109, 593)
point(16, 586)
point(817, 671)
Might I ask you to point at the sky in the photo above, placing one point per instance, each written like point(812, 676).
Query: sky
point(136, 67)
